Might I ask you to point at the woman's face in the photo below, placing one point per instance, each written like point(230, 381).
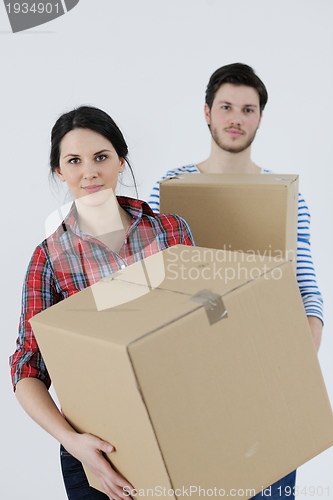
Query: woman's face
point(89, 165)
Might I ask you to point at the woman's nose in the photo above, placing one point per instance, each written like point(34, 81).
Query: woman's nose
point(89, 170)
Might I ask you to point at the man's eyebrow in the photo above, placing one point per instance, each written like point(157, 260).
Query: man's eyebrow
point(244, 106)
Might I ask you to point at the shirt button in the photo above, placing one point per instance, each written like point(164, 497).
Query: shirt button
point(122, 266)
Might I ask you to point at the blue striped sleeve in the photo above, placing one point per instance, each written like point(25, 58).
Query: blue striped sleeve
point(154, 199)
point(305, 273)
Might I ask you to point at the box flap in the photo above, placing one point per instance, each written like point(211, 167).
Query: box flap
point(272, 180)
point(107, 309)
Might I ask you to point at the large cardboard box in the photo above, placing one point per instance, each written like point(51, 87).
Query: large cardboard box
point(198, 366)
point(253, 213)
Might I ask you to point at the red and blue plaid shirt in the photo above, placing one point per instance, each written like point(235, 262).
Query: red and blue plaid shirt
point(69, 261)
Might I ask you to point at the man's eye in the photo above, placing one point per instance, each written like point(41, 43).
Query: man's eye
point(101, 157)
point(225, 107)
point(73, 161)
point(248, 110)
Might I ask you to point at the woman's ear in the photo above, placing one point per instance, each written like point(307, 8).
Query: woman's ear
point(59, 174)
point(122, 164)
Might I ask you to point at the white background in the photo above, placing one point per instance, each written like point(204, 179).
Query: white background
point(147, 64)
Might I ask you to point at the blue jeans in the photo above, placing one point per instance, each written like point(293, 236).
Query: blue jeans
point(75, 479)
point(281, 490)
point(77, 486)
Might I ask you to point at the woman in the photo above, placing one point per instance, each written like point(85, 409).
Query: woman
point(101, 234)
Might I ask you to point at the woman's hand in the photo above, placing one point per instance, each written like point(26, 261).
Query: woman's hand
point(34, 397)
point(89, 450)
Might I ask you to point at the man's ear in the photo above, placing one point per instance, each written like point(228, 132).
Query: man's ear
point(207, 114)
point(59, 174)
point(259, 120)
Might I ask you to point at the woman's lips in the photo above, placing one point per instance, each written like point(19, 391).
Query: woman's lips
point(92, 189)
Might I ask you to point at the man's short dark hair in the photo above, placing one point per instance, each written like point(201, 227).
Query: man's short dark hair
point(236, 74)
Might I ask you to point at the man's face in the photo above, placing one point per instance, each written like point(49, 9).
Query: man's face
point(234, 117)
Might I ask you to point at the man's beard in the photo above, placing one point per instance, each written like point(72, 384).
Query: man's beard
point(229, 148)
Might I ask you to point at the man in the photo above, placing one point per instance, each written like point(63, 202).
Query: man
point(235, 100)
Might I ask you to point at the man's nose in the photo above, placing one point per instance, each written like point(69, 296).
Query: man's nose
point(236, 118)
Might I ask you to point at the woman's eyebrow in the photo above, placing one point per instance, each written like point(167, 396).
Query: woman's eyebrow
point(71, 154)
point(98, 153)
point(102, 151)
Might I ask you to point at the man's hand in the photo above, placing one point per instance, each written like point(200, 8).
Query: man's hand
point(316, 328)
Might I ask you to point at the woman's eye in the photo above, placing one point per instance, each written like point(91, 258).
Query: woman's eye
point(101, 157)
point(73, 161)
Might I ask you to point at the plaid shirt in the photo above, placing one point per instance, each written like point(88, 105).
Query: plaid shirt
point(70, 260)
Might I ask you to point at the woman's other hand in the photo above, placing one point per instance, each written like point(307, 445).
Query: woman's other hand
point(34, 397)
point(89, 450)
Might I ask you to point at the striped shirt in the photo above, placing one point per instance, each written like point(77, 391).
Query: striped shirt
point(305, 273)
point(69, 260)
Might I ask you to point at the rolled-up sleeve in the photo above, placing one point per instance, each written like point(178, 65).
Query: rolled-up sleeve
point(187, 234)
point(38, 293)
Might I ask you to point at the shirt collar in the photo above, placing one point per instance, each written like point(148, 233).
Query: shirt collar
point(137, 208)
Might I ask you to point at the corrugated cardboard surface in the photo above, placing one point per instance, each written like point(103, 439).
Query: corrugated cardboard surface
point(248, 212)
point(233, 405)
point(244, 412)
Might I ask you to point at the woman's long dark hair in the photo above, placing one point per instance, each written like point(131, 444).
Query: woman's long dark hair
point(95, 119)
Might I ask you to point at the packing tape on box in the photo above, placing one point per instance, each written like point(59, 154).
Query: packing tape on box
point(212, 303)
point(288, 179)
